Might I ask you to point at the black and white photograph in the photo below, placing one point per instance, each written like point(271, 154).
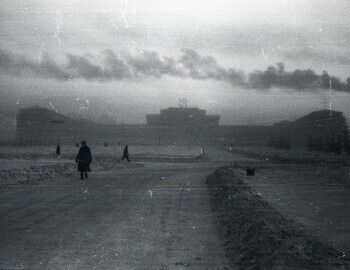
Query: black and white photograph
point(173, 135)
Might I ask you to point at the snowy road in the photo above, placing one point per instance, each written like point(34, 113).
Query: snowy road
point(153, 217)
point(156, 217)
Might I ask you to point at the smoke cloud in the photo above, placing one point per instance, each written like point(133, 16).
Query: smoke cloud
point(17, 65)
point(297, 79)
point(190, 64)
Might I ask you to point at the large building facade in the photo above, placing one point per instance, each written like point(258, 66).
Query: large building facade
point(182, 117)
point(186, 126)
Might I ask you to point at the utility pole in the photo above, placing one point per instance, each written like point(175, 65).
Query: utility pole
point(330, 97)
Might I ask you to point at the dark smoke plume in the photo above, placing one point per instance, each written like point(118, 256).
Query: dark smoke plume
point(125, 65)
point(297, 79)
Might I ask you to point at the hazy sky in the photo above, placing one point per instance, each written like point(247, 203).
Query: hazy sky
point(129, 58)
point(160, 13)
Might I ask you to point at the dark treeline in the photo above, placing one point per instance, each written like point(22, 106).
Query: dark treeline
point(279, 143)
point(331, 143)
point(335, 144)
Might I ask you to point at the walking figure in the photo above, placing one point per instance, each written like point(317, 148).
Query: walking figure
point(126, 154)
point(203, 153)
point(84, 159)
point(58, 150)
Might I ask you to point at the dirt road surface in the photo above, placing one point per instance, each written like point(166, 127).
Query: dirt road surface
point(155, 217)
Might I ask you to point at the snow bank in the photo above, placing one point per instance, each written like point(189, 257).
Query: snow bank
point(31, 173)
point(34, 173)
point(259, 237)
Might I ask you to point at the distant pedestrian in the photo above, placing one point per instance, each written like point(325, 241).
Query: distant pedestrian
point(58, 150)
point(126, 154)
point(203, 153)
point(231, 146)
point(84, 159)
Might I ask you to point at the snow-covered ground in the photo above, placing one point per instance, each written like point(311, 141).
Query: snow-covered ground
point(259, 236)
point(151, 213)
point(29, 165)
point(117, 151)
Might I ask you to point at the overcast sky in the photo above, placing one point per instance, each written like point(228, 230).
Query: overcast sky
point(140, 56)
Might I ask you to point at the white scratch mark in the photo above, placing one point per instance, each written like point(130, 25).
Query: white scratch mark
point(82, 106)
point(124, 12)
point(263, 53)
point(40, 57)
point(58, 27)
point(52, 106)
point(151, 194)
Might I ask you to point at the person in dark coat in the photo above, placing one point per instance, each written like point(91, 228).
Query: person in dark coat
point(84, 159)
point(58, 150)
point(126, 154)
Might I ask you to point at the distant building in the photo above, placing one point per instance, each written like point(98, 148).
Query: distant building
point(40, 126)
point(323, 125)
point(182, 117)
